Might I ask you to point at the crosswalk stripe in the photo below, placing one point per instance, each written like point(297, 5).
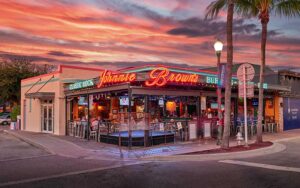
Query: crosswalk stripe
point(260, 165)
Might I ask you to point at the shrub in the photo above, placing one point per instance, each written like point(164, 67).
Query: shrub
point(15, 112)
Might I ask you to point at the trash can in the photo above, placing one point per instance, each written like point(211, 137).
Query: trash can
point(12, 125)
point(18, 126)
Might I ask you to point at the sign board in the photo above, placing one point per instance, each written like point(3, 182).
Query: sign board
point(162, 76)
point(207, 130)
point(249, 70)
point(221, 81)
point(214, 80)
point(245, 74)
point(81, 84)
point(161, 127)
point(108, 77)
point(249, 90)
point(192, 130)
point(179, 125)
point(291, 111)
point(215, 106)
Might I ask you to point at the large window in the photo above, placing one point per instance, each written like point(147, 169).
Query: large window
point(78, 108)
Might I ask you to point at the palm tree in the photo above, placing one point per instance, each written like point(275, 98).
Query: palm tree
point(262, 10)
point(212, 11)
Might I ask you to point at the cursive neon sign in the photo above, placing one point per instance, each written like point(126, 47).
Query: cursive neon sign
point(107, 77)
point(161, 76)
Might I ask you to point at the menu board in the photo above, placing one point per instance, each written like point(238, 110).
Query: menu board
point(192, 130)
point(207, 130)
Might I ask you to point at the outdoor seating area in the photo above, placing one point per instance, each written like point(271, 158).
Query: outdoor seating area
point(119, 134)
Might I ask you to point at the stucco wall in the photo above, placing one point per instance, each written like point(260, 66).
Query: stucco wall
point(33, 105)
point(32, 116)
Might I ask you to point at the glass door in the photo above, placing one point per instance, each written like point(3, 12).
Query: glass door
point(47, 118)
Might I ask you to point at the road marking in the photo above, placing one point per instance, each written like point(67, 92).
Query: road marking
point(68, 174)
point(260, 165)
point(32, 157)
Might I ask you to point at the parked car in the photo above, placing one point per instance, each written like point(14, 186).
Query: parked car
point(5, 119)
point(4, 113)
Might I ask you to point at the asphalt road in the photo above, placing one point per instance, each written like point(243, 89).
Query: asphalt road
point(12, 148)
point(55, 171)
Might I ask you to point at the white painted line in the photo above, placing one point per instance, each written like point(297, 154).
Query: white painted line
point(32, 157)
point(67, 174)
point(259, 165)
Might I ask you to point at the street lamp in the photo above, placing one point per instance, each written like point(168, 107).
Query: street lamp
point(218, 49)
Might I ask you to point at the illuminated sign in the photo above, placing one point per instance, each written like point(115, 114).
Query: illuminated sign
point(211, 80)
point(108, 77)
point(81, 84)
point(265, 85)
point(215, 106)
point(215, 80)
point(161, 76)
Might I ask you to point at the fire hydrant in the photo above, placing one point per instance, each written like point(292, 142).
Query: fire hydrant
point(239, 138)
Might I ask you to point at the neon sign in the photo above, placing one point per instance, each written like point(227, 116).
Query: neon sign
point(81, 84)
point(215, 80)
point(108, 77)
point(161, 76)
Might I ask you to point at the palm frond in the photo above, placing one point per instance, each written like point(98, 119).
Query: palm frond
point(246, 8)
point(214, 8)
point(288, 8)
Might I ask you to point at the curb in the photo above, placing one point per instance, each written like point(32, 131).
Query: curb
point(286, 139)
point(276, 147)
point(29, 141)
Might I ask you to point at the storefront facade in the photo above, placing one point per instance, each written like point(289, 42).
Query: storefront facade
point(156, 99)
point(145, 105)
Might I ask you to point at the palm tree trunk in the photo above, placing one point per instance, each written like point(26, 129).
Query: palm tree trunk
point(261, 80)
point(226, 134)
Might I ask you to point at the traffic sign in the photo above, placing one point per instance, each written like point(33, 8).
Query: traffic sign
point(249, 90)
point(245, 73)
point(249, 70)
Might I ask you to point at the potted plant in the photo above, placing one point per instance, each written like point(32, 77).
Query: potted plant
point(14, 114)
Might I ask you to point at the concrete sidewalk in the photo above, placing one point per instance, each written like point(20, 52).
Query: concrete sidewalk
point(79, 148)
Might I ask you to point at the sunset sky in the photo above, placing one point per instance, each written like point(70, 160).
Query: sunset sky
point(122, 33)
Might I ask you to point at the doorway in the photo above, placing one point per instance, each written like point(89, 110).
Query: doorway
point(47, 117)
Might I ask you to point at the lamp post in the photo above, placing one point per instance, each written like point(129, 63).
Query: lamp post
point(218, 49)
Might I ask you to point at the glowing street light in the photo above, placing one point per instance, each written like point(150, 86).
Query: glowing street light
point(218, 46)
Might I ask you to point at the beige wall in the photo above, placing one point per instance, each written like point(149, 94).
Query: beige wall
point(33, 114)
point(56, 85)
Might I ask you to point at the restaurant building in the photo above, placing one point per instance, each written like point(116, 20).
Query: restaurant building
point(137, 106)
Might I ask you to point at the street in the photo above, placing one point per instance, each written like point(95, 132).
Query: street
point(46, 170)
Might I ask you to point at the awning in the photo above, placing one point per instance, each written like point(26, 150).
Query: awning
point(279, 87)
point(40, 95)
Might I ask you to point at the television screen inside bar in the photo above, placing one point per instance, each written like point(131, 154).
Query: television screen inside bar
point(215, 106)
point(124, 101)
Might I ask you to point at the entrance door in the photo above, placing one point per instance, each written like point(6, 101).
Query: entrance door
point(47, 118)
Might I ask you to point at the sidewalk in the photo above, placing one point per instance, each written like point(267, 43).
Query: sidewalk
point(79, 148)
